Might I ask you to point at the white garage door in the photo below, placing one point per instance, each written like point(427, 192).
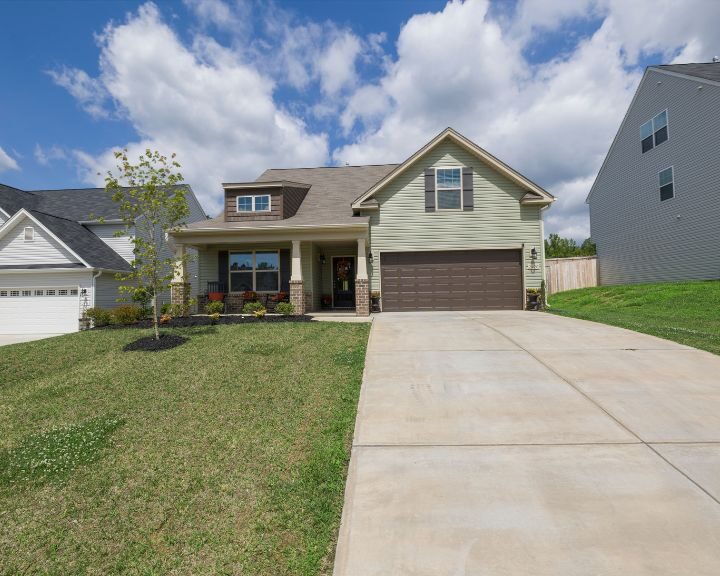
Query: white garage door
point(39, 310)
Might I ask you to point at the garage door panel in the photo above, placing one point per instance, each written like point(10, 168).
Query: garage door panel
point(452, 280)
point(34, 309)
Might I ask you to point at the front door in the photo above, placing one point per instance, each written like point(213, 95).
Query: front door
point(343, 281)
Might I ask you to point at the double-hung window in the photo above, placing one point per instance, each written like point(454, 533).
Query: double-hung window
point(448, 188)
point(257, 271)
point(667, 184)
point(654, 132)
point(253, 203)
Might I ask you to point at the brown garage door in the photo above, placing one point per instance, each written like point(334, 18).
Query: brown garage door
point(452, 280)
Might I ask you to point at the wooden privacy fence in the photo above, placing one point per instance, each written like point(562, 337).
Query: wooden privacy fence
point(569, 273)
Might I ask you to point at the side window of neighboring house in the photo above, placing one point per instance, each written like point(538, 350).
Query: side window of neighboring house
point(667, 184)
point(654, 132)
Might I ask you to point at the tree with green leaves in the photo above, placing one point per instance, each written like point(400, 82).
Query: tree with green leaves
point(557, 247)
point(152, 204)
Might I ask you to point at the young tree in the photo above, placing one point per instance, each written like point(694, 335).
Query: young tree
point(150, 202)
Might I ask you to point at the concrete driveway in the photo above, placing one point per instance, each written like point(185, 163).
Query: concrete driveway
point(517, 443)
point(6, 339)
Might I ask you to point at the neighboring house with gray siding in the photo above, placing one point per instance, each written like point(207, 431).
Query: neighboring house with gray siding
point(59, 255)
point(450, 228)
point(654, 210)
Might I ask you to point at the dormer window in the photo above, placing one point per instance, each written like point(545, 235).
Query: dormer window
point(29, 234)
point(259, 203)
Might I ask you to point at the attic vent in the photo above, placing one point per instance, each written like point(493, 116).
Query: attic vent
point(29, 234)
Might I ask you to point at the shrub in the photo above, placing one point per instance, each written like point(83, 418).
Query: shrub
point(285, 308)
point(127, 314)
point(214, 317)
point(214, 308)
point(252, 307)
point(260, 313)
point(99, 316)
point(249, 295)
point(165, 308)
point(165, 318)
point(181, 309)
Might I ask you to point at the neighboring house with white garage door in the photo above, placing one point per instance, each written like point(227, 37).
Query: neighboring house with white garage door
point(450, 228)
point(59, 255)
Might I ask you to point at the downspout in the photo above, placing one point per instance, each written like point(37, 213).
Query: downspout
point(542, 240)
point(93, 287)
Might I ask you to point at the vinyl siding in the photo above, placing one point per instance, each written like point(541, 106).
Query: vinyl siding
point(42, 250)
point(107, 291)
point(123, 245)
point(640, 238)
point(498, 220)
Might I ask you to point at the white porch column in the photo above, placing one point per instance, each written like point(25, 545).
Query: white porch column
point(296, 270)
point(362, 273)
point(297, 287)
point(179, 266)
point(179, 287)
point(362, 283)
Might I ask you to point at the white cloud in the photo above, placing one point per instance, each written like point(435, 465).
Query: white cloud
point(7, 162)
point(203, 101)
point(465, 67)
point(44, 156)
point(89, 92)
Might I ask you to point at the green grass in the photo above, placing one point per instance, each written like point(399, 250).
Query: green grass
point(226, 455)
point(686, 312)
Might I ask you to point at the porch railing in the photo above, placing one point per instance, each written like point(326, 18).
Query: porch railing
point(217, 287)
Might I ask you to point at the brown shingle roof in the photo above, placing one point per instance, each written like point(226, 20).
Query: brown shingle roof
point(328, 202)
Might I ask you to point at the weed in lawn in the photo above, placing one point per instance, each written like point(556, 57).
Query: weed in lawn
point(56, 453)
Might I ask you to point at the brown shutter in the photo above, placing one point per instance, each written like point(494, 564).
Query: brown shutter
point(467, 188)
point(223, 272)
point(429, 190)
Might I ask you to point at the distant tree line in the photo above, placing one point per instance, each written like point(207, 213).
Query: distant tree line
point(557, 247)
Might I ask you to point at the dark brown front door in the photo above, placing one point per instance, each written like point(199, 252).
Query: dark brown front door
point(343, 281)
point(452, 280)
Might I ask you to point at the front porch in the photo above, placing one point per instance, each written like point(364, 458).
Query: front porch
point(313, 274)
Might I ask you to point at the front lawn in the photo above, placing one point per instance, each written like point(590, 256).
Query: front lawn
point(686, 312)
point(226, 455)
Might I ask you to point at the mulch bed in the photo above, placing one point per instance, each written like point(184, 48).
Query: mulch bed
point(150, 344)
point(190, 321)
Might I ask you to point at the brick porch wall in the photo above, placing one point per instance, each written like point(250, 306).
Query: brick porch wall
point(297, 296)
point(362, 297)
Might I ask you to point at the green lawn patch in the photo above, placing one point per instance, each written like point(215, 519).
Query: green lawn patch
point(226, 455)
point(686, 312)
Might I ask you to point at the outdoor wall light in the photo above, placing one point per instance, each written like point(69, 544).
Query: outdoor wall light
point(370, 257)
point(533, 254)
point(322, 259)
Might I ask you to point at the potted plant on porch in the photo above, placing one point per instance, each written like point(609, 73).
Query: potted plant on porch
point(375, 301)
point(326, 301)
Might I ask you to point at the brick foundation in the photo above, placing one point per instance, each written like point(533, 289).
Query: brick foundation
point(297, 296)
point(362, 297)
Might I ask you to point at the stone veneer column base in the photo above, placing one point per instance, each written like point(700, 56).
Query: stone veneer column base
point(362, 297)
point(297, 296)
point(179, 293)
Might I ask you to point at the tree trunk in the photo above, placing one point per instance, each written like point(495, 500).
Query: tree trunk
point(155, 317)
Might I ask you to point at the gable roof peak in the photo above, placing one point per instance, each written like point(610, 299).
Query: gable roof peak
point(471, 147)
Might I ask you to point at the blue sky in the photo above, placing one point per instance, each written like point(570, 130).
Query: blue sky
point(237, 86)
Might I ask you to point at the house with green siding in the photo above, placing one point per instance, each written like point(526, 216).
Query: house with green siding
point(450, 228)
